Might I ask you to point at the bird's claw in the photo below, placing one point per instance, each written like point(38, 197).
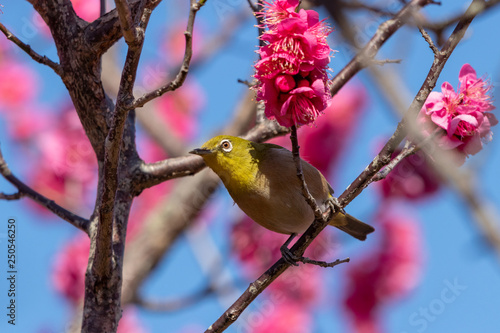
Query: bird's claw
point(288, 256)
point(334, 204)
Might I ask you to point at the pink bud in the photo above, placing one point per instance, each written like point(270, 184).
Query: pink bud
point(284, 83)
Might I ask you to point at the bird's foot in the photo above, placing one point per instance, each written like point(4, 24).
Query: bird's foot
point(288, 256)
point(335, 206)
point(293, 260)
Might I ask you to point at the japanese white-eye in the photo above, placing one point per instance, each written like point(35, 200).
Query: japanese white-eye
point(262, 180)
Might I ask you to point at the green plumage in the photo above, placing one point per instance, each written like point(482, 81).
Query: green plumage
point(262, 180)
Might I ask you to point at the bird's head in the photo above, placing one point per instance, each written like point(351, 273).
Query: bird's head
point(227, 154)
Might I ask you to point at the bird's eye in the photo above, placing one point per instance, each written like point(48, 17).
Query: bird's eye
point(226, 145)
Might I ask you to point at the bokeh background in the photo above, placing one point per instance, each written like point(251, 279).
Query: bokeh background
point(426, 269)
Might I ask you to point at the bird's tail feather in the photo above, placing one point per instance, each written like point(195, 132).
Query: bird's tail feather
point(351, 225)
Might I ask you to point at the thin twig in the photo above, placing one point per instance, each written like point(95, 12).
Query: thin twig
point(323, 263)
point(183, 71)
point(382, 174)
point(25, 190)
point(428, 39)
point(439, 27)
point(14, 196)
point(246, 83)
point(357, 5)
point(26, 48)
point(386, 61)
point(366, 55)
point(300, 174)
point(174, 305)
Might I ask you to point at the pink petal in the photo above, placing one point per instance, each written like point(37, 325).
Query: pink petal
point(311, 16)
point(442, 119)
point(473, 145)
point(447, 89)
point(466, 72)
point(492, 119)
point(456, 121)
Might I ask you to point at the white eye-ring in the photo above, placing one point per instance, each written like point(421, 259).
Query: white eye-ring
point(226, 145)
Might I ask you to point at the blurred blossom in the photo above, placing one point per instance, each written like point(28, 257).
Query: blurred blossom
point(386, 274)
point(179, 109)
point(301, 285)
point(129, 323)
point(67, 168)
point(89, 10)
point(281, 318)
point(69, 271)
point(40, 26)
point(174, 44)
point(258, 248)
point(19, 85)
point(412, 178)
point(27, 122)
point(462, 116)
point(4, 47)
point(323, 143)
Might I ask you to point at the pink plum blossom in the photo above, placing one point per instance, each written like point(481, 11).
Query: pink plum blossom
point(69, 269)
point(292, 70)
point(386, 274)
point(413, 178)
point(463, 115)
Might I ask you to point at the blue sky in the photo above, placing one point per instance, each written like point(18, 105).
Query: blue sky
point(455, 254)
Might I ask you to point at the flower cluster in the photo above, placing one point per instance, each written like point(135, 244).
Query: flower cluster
point(292, 70)
point(462, 114)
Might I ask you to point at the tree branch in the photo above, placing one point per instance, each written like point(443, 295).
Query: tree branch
point(174, 305)
point(9, 197)
point(102, 9)
point(113, 203)
point(384, 157)
point(429, 41)
point(356, 187)
point(25, 190)
point(126, 22)
point(183, 71)
point(26, 48)
point(366, 55)
point(439, 27)
point(300, 174)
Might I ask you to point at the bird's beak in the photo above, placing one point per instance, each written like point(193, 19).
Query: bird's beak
point(200, 151)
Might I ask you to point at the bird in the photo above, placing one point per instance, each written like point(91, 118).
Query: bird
point(262, 180)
